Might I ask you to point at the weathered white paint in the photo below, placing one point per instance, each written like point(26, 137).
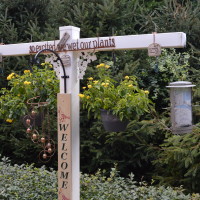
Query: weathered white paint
point(73, 89)
point(166, 40)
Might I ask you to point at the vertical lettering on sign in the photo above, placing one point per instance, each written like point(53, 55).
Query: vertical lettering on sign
point(64, 148)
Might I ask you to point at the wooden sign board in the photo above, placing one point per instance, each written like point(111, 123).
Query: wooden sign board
point(128, 42)
point(154, 49)
point(64, 147)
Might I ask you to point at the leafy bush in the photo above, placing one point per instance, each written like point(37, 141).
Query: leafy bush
point(40, 82)
point(158, 72)
point(23, 182)
point(132, 150)
point(178, 162)
point(118, 188)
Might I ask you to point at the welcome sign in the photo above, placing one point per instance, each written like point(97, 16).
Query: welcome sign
point(64, 147)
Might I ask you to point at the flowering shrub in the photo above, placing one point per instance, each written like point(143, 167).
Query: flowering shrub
point(125, 99)
point(39, 82)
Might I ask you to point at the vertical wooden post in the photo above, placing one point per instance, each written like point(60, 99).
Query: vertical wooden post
point(64, 147)
point(68, 108)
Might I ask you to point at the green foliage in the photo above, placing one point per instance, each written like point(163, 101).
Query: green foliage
point(132, 150)
point(158, 72)
point(24, 21)
point(14, 142)
point(170, 16)
point(108, 17)
point(17, 145)
point(124, 99)
point(114, 187)
point(27, 182)
point(178, 161)
point(22, 182)
point(20, 14)
point(40, 82)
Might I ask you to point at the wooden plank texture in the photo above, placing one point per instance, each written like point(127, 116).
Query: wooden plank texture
point(64, 147)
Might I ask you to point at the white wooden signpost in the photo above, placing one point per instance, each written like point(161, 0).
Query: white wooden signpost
point(69, 48)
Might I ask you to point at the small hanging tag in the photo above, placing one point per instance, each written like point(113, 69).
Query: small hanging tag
point(66, 60)
point(154, 49)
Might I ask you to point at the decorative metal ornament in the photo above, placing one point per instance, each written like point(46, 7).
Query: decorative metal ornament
point(33, 121)
point(52, 59)
point(84, 59)
point(65, 76)
point(154, 49)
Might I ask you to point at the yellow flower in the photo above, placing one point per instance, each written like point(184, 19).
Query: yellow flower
point(84, 88)
point(107, 66)
point(130, 85)
point(90, 79)
point(26, 71)
point(9, 120)
point(105, 84)
point(95, 82)
point(48, 80)
point(89, 86)
point(18, 95)
point(27, 82)
point(87, 97)
point(81, 95)
point(10, 76)
point(50, 65)
point(102, 65)
point(126, 77)
point(43, 64)
point(146, 92)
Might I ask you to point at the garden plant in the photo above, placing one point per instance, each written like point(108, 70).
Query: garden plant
point(147, 148)
point(22, 182)
point(125, 99)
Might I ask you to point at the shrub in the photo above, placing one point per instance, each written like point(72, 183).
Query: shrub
point(178, 162)
point(25, 182)
point(40, 82)
point(160, 71)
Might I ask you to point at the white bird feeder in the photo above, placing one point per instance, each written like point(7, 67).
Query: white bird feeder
point(181, 106)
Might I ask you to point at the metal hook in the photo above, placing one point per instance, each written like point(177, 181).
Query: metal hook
point(58, 58)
